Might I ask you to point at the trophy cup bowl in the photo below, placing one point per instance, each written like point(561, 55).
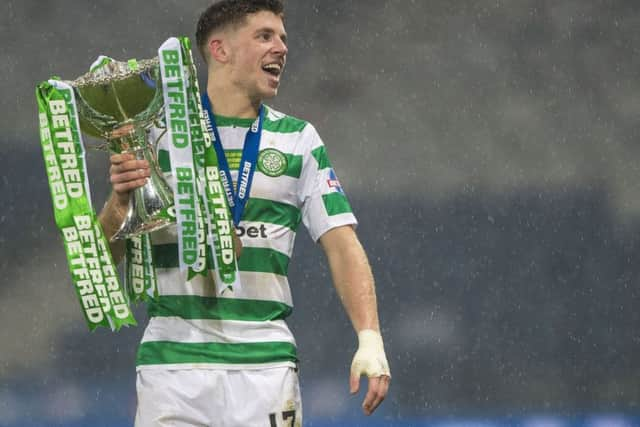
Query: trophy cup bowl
point(119, 102)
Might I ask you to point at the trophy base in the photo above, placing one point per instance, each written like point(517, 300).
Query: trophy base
point(129, 230)
point(147, 212)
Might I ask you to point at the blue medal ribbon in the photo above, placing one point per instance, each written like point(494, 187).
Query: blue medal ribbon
point(237, 199)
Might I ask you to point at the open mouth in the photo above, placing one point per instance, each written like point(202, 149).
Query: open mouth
point(275, 69)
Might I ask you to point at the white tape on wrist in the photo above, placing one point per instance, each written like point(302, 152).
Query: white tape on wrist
point(370, 359)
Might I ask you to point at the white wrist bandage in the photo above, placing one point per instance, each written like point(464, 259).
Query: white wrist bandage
point(370, 359)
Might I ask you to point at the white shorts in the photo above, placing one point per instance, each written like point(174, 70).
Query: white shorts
point(218, 398)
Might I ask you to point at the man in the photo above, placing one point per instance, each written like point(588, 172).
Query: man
point(230, 360)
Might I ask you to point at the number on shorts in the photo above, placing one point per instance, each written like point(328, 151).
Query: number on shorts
point(285, 416)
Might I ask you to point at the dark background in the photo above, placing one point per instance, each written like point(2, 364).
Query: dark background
point(489, 149)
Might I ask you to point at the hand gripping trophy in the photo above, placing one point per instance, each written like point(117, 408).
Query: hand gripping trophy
point(119, 102)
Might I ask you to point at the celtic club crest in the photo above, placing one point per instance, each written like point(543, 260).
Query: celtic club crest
point(272, 162)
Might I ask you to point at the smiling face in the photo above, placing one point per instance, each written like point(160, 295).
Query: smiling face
point(257, 53)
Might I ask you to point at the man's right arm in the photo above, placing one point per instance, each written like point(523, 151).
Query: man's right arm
point(126, 174)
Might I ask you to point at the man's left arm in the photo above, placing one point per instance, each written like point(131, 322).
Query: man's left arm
point(354, 283)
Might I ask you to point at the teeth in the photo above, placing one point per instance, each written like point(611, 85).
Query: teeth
point(275, 67)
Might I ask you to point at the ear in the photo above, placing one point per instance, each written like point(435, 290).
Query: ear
point(218, 50)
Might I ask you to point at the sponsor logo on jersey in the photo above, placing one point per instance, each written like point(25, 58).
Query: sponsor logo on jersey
point(333, 182)
point(272, 162)
point(252, 231)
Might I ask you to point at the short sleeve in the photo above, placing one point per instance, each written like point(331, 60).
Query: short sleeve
point(324, 202)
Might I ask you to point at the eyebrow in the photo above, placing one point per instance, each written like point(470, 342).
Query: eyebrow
point(283, 36)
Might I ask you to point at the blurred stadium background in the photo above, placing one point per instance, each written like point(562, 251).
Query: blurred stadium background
point(490, 150)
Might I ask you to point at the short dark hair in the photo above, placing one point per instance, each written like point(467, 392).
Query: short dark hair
point(230, 12)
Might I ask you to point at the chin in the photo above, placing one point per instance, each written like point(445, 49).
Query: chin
point(268, 94)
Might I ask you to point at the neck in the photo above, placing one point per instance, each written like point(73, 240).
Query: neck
point(230, 101)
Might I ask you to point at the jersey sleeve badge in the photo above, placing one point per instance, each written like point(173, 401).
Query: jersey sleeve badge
point(334, 183)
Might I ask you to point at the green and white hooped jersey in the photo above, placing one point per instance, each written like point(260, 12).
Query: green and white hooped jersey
point(293, 182)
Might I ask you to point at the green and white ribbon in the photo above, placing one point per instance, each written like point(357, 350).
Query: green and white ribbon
point(197, 143)
point(220, 230)
point(100, 62)
point(140, 275)
point(93, 272)
point(176, 61)
point(181, 151)
point(219, 224)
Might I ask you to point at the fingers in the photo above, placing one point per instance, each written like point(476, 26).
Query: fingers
point(354, 383)
point(126, 162)
point(127, 181)
point(127, 173)
point(378, 387)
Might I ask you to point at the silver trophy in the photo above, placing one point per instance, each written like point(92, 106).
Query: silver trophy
point(119, 102)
